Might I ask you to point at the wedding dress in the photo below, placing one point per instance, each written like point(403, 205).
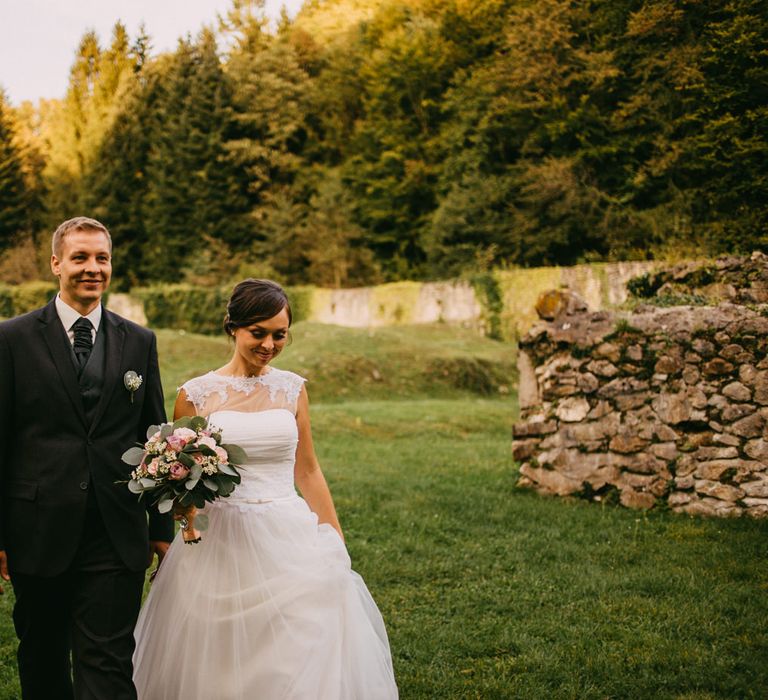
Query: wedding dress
point(266, 606)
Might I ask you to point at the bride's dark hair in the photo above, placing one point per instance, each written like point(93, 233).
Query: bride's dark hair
point(253, 301)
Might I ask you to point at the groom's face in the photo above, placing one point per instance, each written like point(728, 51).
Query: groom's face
point(84, 268)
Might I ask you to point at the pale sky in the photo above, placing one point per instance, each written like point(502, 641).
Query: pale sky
point(38, 38)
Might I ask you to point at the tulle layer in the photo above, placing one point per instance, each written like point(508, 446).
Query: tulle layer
point(265, 607)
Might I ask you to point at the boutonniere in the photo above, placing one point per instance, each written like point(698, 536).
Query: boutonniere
point(132, 382)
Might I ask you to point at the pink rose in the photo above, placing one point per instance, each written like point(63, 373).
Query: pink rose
point(186, 433)
point(152, 466)
point(208, 442)
point(178, 471)
point(198, 457)
point(221, 453)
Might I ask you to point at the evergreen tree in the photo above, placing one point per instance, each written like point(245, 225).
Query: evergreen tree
point(14, 194)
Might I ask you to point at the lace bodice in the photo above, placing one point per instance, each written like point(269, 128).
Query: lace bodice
point(277, 388)
point(258, 414)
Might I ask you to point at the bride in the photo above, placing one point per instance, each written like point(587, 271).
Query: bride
point(266, 606)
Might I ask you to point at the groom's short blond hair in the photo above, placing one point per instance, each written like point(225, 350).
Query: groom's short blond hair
point(79, 223)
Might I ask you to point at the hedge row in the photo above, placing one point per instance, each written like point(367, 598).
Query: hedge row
point(21, 298)
point(201, 309)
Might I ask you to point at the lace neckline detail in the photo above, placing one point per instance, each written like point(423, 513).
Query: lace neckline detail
point(274, 381)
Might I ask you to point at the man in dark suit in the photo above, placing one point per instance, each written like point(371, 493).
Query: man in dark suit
point(73, 543)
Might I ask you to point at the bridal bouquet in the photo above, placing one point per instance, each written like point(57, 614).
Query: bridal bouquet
point(184, 465)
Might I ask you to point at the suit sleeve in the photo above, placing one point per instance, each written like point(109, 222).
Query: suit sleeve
point(153, 413)
point(6, 401)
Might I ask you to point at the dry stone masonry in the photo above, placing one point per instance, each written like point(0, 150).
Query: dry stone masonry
point(660, 405)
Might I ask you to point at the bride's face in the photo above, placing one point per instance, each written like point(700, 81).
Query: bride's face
point(257, 345)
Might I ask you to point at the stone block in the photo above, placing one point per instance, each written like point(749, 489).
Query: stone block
point(705, 453)
point(757, 449)
point(665, 450)
point(685, 483)
point(637, 500)
point(757, 488)
point(749, 427)
point(731, 413)
point(747, 374)
point(534, 428)
point(715, 489)
point(717, 367)
point(691, 374)
point(588, 383)
point(628, 402)
point(603, 368)
point(550, 481)
point(524, 449)
point(678, 498)
point(713, 507)
point(608, 351)
point(736, 391)
point(634, 353)
point(572, 410)
point(761, 388)
point(627, 444)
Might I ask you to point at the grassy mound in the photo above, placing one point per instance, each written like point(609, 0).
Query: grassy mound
point(404, 362)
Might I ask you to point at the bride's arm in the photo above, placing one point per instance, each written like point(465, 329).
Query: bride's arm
point(307, 473)
point(183, 407)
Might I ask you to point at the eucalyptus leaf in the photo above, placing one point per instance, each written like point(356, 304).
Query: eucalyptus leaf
point(148, 484)
point(196, 471)
point(133, 456)
point(165, 430)
point(210, 484)
point(207, 451)
point(198, 422)
point(186, 460)
point(165, 506)
point(227, 469)
point(151, 430)
point(135, 487)
point(183, 422)
point(236, 454)
point(191, 483)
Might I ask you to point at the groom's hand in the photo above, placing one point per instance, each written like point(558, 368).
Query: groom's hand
point(3, 569)
point(159, 548)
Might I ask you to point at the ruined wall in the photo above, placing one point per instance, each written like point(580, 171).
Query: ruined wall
point(660, 406)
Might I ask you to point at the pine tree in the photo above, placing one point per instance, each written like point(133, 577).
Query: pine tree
point(14, 194)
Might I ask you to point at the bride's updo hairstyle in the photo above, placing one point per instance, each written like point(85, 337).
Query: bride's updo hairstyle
point(253, 301)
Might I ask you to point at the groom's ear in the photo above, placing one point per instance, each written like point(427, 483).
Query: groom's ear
point(55, 266)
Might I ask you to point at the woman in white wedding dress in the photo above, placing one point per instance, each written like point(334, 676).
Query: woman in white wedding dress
point(266, 606)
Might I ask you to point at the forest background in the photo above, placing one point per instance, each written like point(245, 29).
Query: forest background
point(366, 141)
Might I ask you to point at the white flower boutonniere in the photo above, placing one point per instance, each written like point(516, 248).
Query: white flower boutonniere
point(132, 382)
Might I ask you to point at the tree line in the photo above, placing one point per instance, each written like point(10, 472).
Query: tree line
point(375, 140)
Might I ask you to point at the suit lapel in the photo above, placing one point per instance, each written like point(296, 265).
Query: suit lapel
point(114, 337)
point(61, 352)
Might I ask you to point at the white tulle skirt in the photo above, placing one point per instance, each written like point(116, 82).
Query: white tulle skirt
point(266, 607)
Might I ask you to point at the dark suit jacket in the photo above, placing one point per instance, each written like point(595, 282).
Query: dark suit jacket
point(50, 456)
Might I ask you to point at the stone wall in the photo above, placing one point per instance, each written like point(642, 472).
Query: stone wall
point(660, 406)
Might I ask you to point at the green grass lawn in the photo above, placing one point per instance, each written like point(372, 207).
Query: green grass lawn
point(490, 592)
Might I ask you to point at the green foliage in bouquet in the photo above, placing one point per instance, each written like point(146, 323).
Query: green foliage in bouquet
point(184, 463)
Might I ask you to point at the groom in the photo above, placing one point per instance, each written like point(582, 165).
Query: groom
point(73, 543)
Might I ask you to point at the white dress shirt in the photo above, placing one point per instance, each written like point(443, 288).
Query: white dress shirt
point(68, 316)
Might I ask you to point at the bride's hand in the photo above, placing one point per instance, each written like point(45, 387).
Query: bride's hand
point(181, 512)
